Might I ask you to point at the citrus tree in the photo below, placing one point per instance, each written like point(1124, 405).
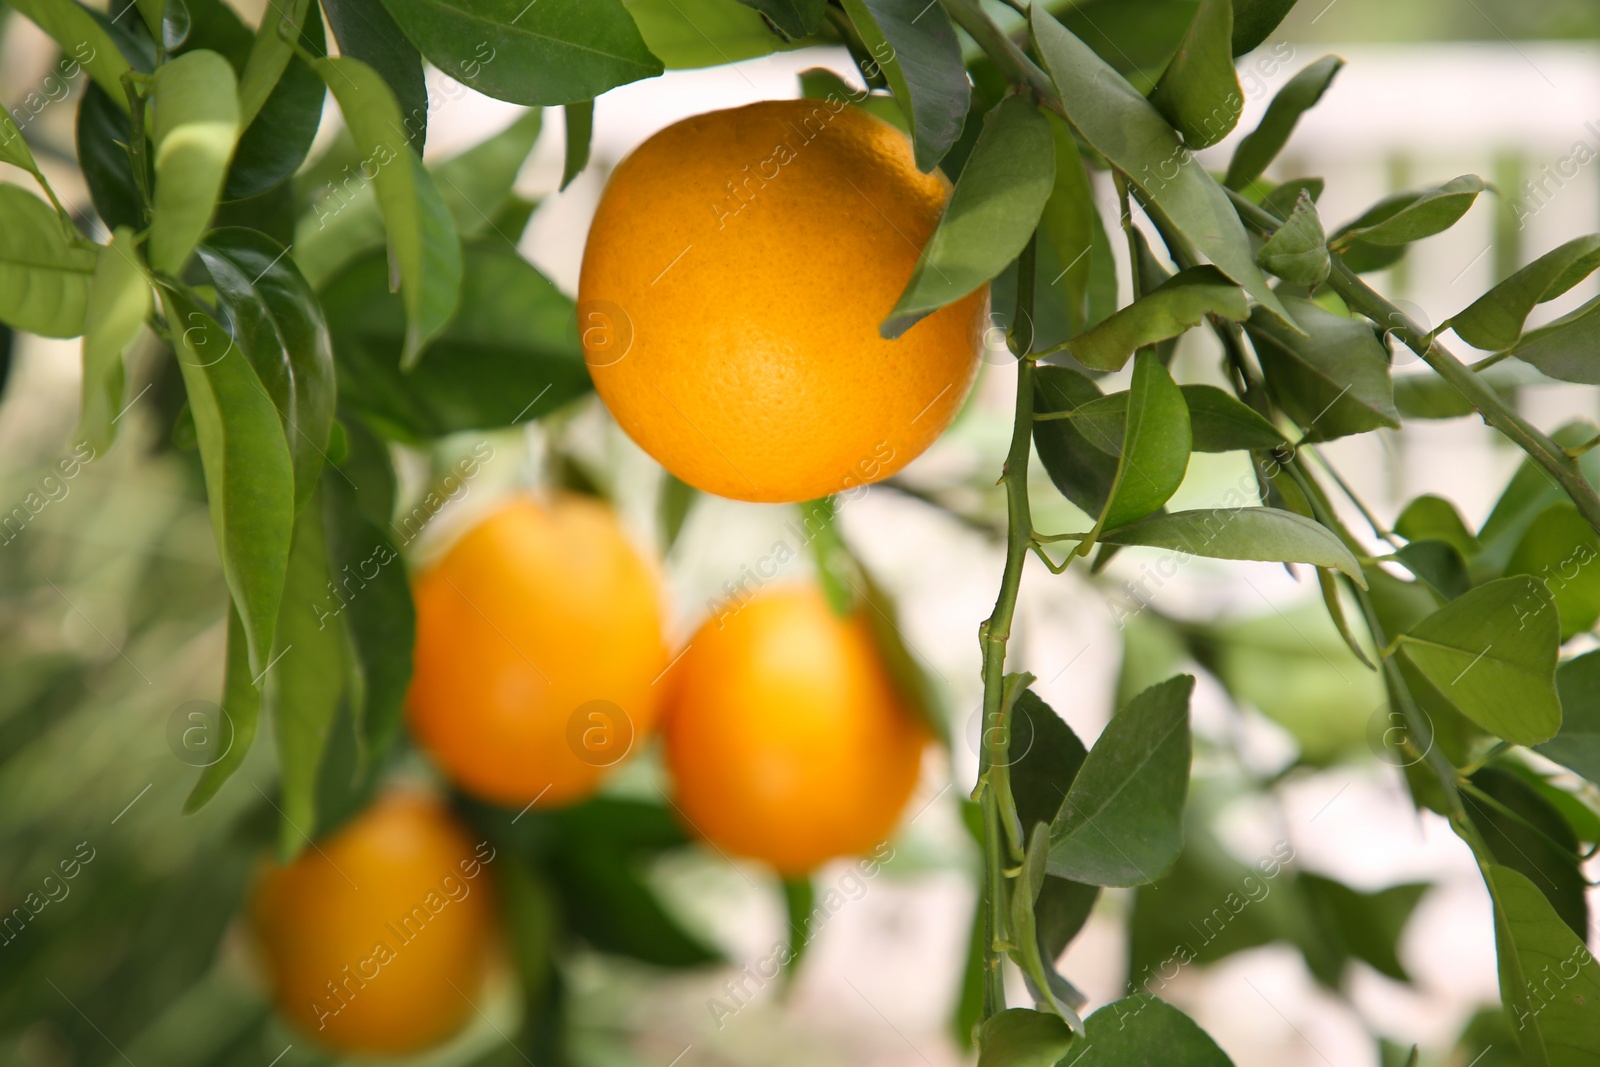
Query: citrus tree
point(783, 303)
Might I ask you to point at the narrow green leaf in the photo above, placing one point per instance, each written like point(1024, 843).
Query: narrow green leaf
point(372, 601)
point(1177, 305)
point(1122, 125)
point(1492, 653)
point(1254, 21)
point(800, 899)
point(1144, 1030)
point(1406, 217)
point(915, 46)
point(1082, 468)
point(13, 149)
point(550, 52)
point(249, 475)
point(119, 302)
point(241, 705)
point(1298, 251)
point(44, 273)
point(1549, 980)
point(269, 57)
point(792, 18)
point(1048, 987)
point(580, 128)
point(195, 111)
point(1265, 534)
point(1122, 821)
point(1021, 1037)
point(278, 134)
point(1495, 320)
point(510, 356)
point(1577, 745)
point(1566, 348)
point(426, 250)
point(1155, 445)
point(306, 681)
point(1261, 146)
point(277, 321)
point(168, 21)
point(82, 40)
point(992, 212)
point(1199, 91)
point(366, 31)
point(1558, 550)
point(1330, 598)
point(1529, 834)
point(1430, 517)
point(1068, 225)
point(101, 135)
point(1335, 380)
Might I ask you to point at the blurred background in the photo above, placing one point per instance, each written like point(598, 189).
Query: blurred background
point(111, 604)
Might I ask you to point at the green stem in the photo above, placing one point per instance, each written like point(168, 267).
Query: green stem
point(1364, 300)
point(994, 787)
point(1011, 60)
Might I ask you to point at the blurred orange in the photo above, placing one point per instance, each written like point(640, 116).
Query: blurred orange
point(538, 645)
point(377, 938)
point(787, 739)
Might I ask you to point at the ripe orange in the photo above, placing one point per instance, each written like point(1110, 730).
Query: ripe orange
point(538, 645)
point(377, 939)
point(735, 275)
point(787, 739)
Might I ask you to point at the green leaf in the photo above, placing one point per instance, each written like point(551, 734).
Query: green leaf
point(1026, 950)
point(1254, 21)
point(1438, 564)
point(278, 136)
point(195, 111)
point(792, 18)
point(607, 904)
point(366, 31)
point(906, 670)
point(373, 601)
point(1577, 745)
point(168, 21)
point(1434, 518)
point(579, 128)
point(1069, 223)
point(1261, 146)
point(799, 899)
point(1265, 534)
point(44, 273)
point(1335, 380)
point(1298, 251)
point(119, 302)
point(1199, 91)
point(1558, 549)
point(276, 319)
point(1367, 926)
point(1121, 125)
point(1526, 833)
point(991, 214)
point(101, 134)
point(512, 354)
point(426, 250)
point(701, 33)
point(1217, 421)
point(1144, 1030)
point(1122, 821)
point(1492, 653)
point(82, 40)
point(1179, 304)
point(306, 680)
point(1495, 320)
point(676, 500)
point(1155, 445)
point(1083, 468)
point(248, 472)
point(1369, 242)
point(241, 704)
point(550, 52)
point(1529, 492)
point(1548, 979)
point(13, 149)
point(916, 48)
point(1565, 348)
point(1021, 1037)
point(1283, 197)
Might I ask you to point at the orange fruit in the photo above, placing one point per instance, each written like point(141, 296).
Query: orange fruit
point(377, 939)
point(538, 645)
point(787, 739)
point(735, 275)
